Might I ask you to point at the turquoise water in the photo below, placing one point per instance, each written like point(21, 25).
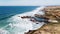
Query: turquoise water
point(7, 12)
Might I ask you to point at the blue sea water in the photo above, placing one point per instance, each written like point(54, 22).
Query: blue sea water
point(8, 11)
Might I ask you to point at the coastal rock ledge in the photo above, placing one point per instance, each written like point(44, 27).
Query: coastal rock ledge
point(51, 12)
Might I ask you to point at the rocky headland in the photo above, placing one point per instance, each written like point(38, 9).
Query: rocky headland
point(51, 12)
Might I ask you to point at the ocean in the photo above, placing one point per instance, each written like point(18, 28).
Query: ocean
point(10, 23)
point(8, 11)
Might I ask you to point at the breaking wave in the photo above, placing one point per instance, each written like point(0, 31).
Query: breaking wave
point(19, 26)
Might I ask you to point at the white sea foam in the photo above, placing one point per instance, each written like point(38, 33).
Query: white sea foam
point(3, 31)
point(23, 25)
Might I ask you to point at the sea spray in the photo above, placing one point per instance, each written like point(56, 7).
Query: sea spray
point(2, 31)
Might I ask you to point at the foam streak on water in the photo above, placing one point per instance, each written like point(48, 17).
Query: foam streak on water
point(19, 26)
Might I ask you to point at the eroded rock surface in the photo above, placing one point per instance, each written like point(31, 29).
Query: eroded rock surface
point(47, 29)
point(51, 12)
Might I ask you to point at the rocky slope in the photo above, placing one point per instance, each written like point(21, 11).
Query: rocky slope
point(51, 12)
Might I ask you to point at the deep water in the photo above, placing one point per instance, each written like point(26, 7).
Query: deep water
point(6, 11)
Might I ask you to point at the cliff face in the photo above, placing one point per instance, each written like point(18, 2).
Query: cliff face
point(51, 12)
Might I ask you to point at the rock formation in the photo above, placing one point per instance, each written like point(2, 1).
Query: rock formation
point(51, 12)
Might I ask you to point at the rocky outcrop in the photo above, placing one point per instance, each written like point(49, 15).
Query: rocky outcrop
point(51, 12)
point(25, 17)
point(48, 29)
